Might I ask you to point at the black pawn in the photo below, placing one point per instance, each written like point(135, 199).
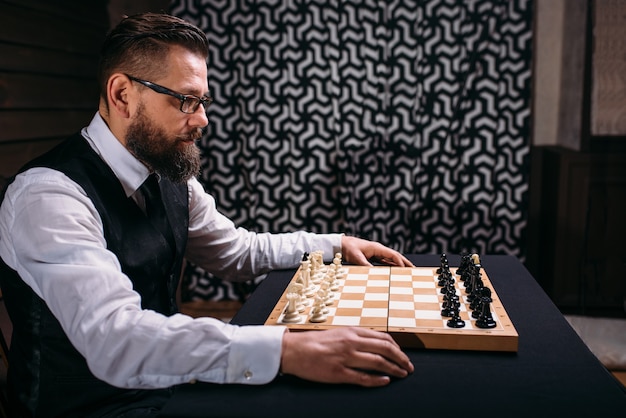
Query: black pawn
point(455, 321)
point(443, 263)
point(462, 269)
point(485, 320)
point(450, 306)
point(444, 277)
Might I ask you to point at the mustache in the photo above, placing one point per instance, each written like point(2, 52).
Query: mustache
point(193, 135)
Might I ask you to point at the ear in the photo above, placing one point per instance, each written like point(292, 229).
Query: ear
point(120, 95)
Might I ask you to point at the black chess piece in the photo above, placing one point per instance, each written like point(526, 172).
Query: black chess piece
point(475, 306)
point(443, 261)
point(456, 321)
point(447, 290)
point(485, 320)
point(465, 261)
point(477, 285)
point(450, 305)
point(444, 278)
point(470, 275)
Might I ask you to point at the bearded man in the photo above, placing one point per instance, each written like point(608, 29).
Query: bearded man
point(89, 275)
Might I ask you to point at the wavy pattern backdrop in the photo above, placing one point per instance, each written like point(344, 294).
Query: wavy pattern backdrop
point(405, 122)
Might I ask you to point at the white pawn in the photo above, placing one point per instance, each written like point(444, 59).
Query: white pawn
point(337, 264)
point(317, 313)
point(331, 276)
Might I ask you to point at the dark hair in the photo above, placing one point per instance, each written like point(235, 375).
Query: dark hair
point(139, 44)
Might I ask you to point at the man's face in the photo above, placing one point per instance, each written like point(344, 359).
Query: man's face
point(159, 134)
point(174, 156)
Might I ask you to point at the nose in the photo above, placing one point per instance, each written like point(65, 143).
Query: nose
point(199, 118)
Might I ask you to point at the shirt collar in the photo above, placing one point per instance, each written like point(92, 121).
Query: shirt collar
point(129, 170)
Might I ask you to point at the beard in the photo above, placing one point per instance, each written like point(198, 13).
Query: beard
point(171, 157)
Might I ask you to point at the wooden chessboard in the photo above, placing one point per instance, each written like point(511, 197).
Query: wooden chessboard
point(406, 302)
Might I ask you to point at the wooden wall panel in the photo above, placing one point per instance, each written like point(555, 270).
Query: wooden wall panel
point(48, 89)
point(41, 124)
point(28, 26)
point(27, 91)
point(40, 60)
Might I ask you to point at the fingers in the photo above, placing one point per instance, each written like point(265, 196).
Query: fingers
point(366, 378)
point(378, 352)
point(396, 260)
point(360, 251)
point(344, 355)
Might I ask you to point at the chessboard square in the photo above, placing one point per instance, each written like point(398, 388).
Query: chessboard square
point(355, 282)
point(348, 312)
point(379, 322)
point(394, 304)
point(347, 303)
point(400, 291)
point(429, 291)
point(379, 271)
point(423, 285)
point(400, 278)
point(376, 296)
point(346, 320)
point(402, 298)
point(378, 283)
point(403, 271)
point(423, 271)
point(398, 283)
point(371, 289)
point(374, 312)
point(428, 314)
point(401, 322)
point(356, 276)
point(351, 296)
point(435, 307)
point(376, 304)
point(401, 313)
point(358, 269)
point(353, 289)
point(429, 298)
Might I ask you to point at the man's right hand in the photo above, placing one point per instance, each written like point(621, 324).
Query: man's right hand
point(357, 356)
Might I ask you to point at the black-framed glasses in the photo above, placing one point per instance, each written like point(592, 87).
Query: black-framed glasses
point(188, 102)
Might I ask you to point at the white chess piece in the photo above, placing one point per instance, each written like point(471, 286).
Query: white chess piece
point(291, 315)
point(317, 313)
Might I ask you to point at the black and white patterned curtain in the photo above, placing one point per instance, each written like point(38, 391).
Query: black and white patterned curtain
point(405, 122)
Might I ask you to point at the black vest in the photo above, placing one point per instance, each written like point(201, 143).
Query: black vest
point(47, 376)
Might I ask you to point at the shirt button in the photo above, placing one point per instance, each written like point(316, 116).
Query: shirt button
point(247, 374)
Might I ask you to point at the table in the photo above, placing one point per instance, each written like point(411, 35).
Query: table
point(552, 373)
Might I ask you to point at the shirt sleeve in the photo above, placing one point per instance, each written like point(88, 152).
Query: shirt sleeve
point(236, 254)
point(52, 235)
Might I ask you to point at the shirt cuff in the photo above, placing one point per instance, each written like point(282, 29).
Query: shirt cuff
point(330, 246)
point(255, 354)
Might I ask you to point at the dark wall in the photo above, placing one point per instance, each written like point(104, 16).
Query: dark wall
point(48, 60)
point(47, 73)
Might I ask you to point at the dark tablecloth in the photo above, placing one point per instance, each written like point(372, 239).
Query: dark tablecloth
point(552, 374)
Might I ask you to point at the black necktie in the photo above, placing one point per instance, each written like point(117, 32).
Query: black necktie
point(155, 209)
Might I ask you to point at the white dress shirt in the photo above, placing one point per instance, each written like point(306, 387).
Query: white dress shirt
point(52, 235)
